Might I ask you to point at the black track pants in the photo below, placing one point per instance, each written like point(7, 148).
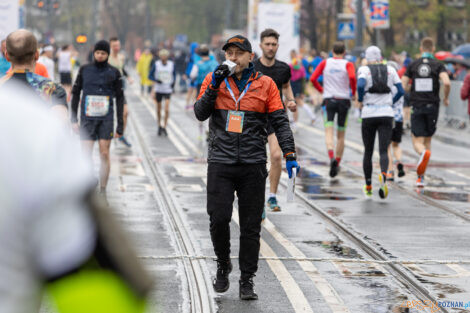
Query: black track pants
point(370, 126)
point(249, 182)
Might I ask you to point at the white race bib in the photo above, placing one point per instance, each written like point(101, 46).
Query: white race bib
point(96, 106)
point(423, 84)
point(165, 77)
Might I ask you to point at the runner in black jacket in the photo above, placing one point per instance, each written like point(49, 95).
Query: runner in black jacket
point(100, 83)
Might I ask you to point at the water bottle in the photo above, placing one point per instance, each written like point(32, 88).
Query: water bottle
point(291, 186)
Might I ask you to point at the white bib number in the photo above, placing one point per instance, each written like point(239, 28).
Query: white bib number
point(96, 106)
point(164, 77)
point(423, 84)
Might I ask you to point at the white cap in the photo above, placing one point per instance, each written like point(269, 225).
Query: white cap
point(373, 54)
point(48, 48)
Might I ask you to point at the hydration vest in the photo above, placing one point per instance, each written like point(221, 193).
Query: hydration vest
point(379, 74)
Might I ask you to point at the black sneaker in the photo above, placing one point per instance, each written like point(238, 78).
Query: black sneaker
point(221, 282)
point(333, 168)
point(160, 131)
point(164, 132)
point(247, 291)
point(401, 170)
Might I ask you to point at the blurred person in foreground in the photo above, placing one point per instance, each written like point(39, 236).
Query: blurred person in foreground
point(21, 51)
point(54, 236)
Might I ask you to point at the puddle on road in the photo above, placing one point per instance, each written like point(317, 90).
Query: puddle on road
point(331, 197)
point(446, 289)
point(447, 196)
point(315, 186)
point(334, 211)
point(337, 248)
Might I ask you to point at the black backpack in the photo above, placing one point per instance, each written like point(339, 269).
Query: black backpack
point(379, 74)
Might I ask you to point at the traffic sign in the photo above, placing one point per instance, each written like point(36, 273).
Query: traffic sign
point(346, 30)
point(380, 14)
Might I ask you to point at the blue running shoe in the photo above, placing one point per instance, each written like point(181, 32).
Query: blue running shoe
point(272, 204)
point(124, 141)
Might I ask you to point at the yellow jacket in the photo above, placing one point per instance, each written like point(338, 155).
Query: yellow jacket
point(143, 68)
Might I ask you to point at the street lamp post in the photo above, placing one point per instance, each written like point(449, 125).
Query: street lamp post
point(359, 24)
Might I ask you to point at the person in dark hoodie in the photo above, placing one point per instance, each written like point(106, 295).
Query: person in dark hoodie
point(100, 84)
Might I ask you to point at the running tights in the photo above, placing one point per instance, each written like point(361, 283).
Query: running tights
point(370, 126)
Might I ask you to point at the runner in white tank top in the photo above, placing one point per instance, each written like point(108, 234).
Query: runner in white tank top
point(339, 86)
point(163, 74)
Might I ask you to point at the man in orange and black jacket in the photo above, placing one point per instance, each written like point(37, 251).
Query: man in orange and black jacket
point(239, 105)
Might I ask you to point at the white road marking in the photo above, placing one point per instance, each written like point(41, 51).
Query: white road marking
point(330, 295)
point(181, 148)
point(291, 288)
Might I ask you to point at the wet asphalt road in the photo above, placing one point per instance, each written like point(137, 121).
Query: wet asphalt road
point(403, 227)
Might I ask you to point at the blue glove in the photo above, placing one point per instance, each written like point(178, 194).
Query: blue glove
point(290, 165)
point(219, 74)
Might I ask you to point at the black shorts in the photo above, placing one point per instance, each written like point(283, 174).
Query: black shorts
point(397, 132)
point(96, 129)
point(331, 107)
point(424, 120)
point(66, 78)
point(297, 87)
point(160, 96)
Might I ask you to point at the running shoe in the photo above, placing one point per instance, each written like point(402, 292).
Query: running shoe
point(164, 133)
point(420, 182)
point(160, 131)
point(367, 191)
point(401, 170)
point(247, 289)
point(383, 191)
point(124, 141)
point(423, 162)
point(221, 282)
point(263, 216)
point(273, 206)
point(391, 176)
point(334, 168)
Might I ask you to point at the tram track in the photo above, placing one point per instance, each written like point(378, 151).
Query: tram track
point(398, 271)
point(199, 286)
point(395, 185)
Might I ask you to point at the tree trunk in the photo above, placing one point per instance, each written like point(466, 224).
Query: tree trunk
point(312, 23)
point(441, 27)
point(328, 25)
point(389, 37)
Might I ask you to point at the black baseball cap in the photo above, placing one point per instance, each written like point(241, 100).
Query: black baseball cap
point(239, 41)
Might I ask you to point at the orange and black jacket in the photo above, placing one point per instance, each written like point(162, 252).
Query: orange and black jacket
point(261, 103)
